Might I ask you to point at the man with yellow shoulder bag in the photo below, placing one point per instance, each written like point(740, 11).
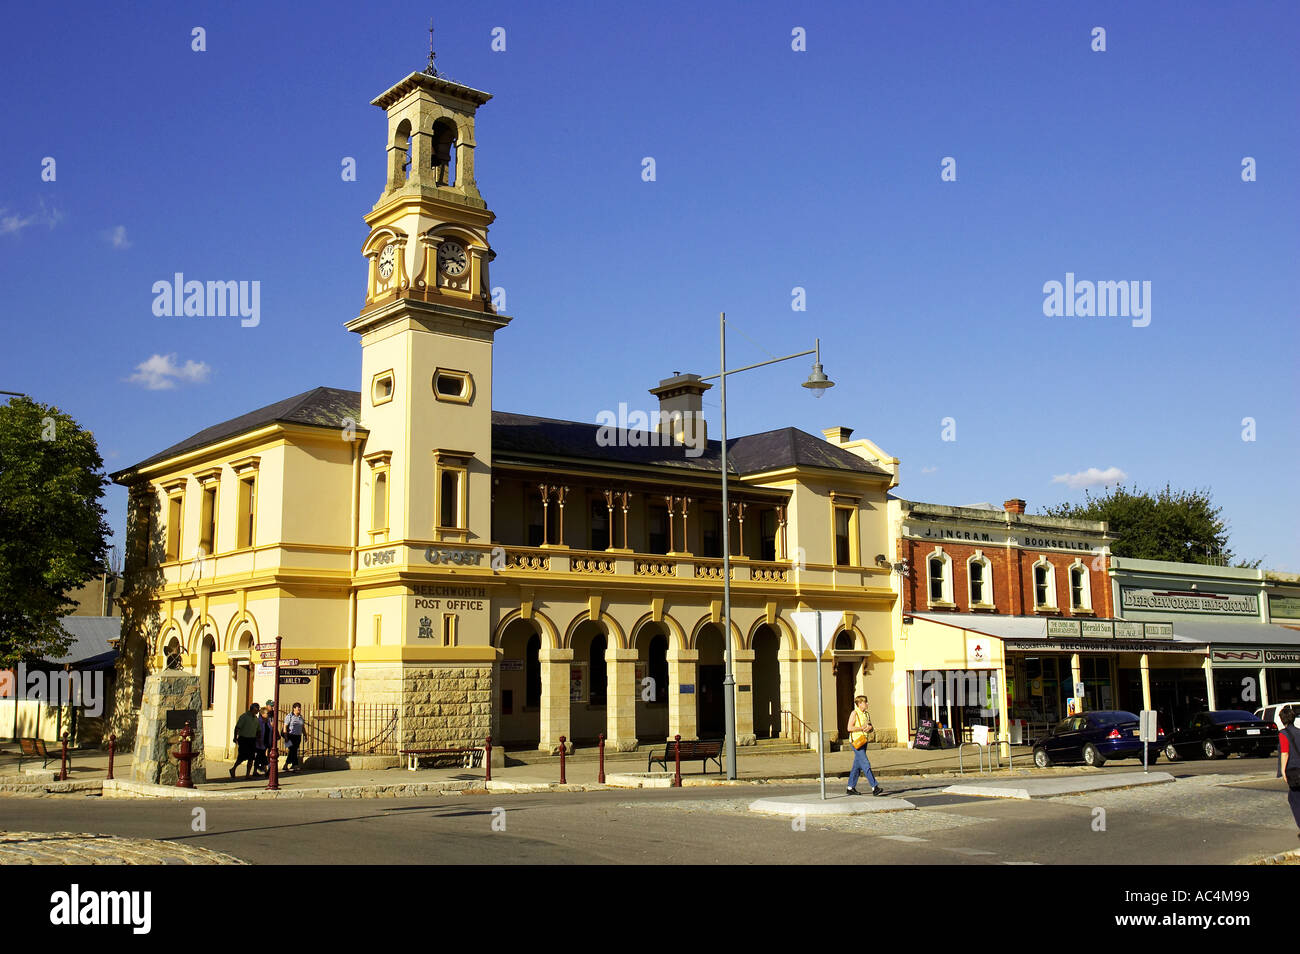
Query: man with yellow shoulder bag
point(860, 730)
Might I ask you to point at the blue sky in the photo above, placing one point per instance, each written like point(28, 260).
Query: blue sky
point(775, 169)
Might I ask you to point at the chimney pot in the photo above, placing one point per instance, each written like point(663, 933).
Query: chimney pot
point(1014, 505)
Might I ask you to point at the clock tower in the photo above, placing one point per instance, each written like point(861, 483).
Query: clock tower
point(427, 328)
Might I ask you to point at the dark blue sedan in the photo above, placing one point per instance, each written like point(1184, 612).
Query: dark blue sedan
point(1094, 738)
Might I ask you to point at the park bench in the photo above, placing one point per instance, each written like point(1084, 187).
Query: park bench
point(34, 749)
point(467, 758)
point(692, 750)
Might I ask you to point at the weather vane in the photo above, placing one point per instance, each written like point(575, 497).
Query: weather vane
point(431, 69)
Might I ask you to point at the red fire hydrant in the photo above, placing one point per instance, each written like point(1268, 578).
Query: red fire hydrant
point(184, 755)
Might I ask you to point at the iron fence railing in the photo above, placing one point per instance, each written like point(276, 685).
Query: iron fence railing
point(370, 729)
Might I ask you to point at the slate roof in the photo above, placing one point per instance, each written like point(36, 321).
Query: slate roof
point(521, 437)
point(319, 407)
point(90, 648)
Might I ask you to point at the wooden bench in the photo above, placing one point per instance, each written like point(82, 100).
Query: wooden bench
point(35, 749)
point(466, 758)
point(692, 750)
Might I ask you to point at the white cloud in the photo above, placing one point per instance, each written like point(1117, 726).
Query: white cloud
point(160, 372)
point(928, 470)
point(13, 224)
point(116, 237)
point(1092, 477)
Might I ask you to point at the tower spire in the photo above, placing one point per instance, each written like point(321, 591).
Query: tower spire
point(431, 69)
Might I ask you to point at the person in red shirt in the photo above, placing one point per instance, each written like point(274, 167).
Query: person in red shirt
point(1288, 743)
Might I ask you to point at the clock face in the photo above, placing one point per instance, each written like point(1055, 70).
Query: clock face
point(452, 260)
point(387, 258)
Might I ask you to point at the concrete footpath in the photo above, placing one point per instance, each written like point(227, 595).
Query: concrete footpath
point(524, 772)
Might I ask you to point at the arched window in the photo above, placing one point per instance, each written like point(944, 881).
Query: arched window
point(979, 572)
point(939, 574)
point(599, 674)
point(1044, 585)
point(1080, 590)
point(207, 671)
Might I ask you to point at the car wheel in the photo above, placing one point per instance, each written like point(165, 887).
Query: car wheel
point(1171, 753)
point(1041, 758)
point(1209, 749)
point(1092, 757)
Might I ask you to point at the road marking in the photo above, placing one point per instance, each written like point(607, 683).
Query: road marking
point(1020, 862)
point(970, 851)
point(902, 838)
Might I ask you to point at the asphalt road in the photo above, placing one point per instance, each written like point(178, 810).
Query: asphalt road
point(1216, 813)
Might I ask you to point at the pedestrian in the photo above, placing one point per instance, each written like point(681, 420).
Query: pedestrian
point(265, 737)
point(246, 732)
point(293, 726)
point(859, 725)
point(1288, 744)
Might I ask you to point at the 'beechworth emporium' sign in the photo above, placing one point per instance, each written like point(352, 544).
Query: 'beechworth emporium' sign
point(1190, 601)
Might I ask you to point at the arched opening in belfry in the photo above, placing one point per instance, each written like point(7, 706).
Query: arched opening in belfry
point(444, 152)
point(402, 145)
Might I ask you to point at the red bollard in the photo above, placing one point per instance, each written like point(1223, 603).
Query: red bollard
point(601, 776)
point(112, 745)
point(63, 766)
point(677, 759)
point(561, 760)
point(487, 759)
point(183, 756)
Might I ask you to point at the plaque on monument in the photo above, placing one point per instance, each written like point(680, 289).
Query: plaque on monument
point(179, 718)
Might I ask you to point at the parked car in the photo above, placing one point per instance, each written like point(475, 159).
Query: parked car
point(1094, 738)
point(1222, 732)
point(1271, 712)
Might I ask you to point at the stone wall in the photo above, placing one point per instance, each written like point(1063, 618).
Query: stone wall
point(447, 706)
point(155, 743)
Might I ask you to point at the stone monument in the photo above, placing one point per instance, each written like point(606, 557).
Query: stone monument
point(171, 699)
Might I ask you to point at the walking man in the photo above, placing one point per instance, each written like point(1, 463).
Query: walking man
point(859, 723)
point(293, 726)
point(246, 729)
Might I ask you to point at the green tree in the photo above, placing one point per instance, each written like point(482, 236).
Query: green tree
point(53, 535)
point(1183, 526)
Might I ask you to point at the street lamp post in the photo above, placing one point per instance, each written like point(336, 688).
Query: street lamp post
point(817, 382)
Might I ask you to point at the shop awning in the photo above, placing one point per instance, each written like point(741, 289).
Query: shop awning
point(1030, 633)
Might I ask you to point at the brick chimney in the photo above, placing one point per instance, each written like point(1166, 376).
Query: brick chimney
point(1014, 505)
